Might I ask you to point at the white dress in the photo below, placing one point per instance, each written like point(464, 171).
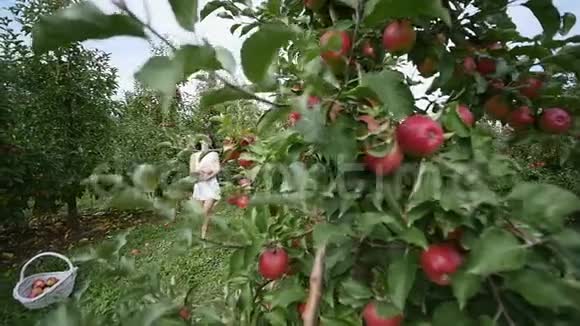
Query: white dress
point(208, 189)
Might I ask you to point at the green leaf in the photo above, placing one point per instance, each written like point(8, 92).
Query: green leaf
point(234, 27)
point(390, 88)
point(185, 12)
point(270, 117)
point(146, 177)
point(568, 21)
point(386, 310)
point(446, 67)
point(379, 11)
point(226, 59)
point(286, 296)
point(465, 286)
point(547, 14)
point(312, 126)
point(354, 290)
point(428, 185)
point(199, 57)
point(366, 222)
point(400, 278)
point(261, 49)
point(221, 95)
point(567, 58)
point(448, 313)
point(543, 289)
point(152, 313)
point(543, 205)
point(330, 233)
point(80, 22)
point(414, 236)
point(161, 73)
point(209, 8)
point(237, 261)
point(496, 251)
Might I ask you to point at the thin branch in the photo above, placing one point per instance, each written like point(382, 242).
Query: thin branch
point(500, 306)
point(173, 48)
point(259, 289)
point(310, 315)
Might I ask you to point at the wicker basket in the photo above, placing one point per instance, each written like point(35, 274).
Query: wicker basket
point(58, 292)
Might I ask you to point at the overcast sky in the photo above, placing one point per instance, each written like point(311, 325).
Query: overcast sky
point(128, 54)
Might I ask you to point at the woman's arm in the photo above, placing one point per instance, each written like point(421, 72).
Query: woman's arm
point(213, 168)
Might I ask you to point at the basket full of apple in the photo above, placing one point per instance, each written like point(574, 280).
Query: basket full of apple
point(40, 290)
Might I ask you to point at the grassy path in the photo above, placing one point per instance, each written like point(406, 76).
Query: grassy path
point(200, 268)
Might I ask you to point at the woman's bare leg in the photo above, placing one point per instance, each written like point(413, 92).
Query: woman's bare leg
point(207, 207)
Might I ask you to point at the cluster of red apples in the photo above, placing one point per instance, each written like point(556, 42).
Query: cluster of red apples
point(439, 262)
point(40, 285)
point(419, 136)
point(232, 151)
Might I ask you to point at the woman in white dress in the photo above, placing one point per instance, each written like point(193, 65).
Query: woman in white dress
point(205, 164)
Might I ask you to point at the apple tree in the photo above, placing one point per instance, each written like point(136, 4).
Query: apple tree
point(59, 105)
point(364, 203)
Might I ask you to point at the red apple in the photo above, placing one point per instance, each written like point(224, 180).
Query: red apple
point(385, 165)
point(244, 182)
point(439, 262)
point(521, 118)
point(51, 281)
point(36, 292)
point(232, 200)
point(497, 107)
point(555, 121)
point(334, 55)
point(419, 136)
point(273, 263)
point(245, 163)
point(399, 37)
point(486, 66)
point(466, 115)
point(243, 201)
point(372, 318)
point(428, 67)
point(247, 140)
point(469, 65)
point(39, 284)
point(314, 5)
point(232, 156)
point(301, 308)
point(368, 49)
point(294, 117)
point(531, 87)
point(312, 101)
point(184, 313)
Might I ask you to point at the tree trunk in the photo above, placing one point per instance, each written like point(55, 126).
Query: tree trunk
point(72, 217)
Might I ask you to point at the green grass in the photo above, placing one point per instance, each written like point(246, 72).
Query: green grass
point(202, 269)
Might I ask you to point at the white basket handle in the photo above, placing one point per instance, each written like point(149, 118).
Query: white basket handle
point(48, 253)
